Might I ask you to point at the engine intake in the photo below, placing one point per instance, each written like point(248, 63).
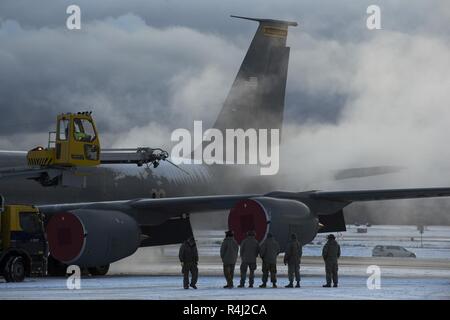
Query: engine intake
point(281, 217)
point(90, 238)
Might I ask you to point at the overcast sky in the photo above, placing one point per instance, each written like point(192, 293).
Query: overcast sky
point(354, 97)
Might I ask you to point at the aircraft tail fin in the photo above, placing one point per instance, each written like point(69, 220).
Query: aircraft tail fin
point(256, 98)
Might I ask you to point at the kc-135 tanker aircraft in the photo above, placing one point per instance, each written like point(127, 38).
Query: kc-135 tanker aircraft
point(89, 227)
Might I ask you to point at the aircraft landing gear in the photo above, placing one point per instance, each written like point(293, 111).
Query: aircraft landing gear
point(99, 271)
point(56, 268)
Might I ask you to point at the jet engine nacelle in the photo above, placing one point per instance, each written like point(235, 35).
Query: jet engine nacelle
point(281, 217)
point(91, 238)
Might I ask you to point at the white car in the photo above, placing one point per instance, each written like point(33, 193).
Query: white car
point(392, 251)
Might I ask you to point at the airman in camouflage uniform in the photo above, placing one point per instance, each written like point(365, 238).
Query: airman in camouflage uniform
point(269, 251)
point(331, 253)
point(188, 256)
point(228, 253)
point(249, 253)
point(292, 258)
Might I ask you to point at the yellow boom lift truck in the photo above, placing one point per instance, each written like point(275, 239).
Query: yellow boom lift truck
point(75, 144)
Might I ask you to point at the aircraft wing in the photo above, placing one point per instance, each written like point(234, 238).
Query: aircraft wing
point(89, 230)
point(21, 172)
point(351, 173)
point(181, 205)
point(46, 176)
point(166, 206)
point(13, 165)
point(383, 194)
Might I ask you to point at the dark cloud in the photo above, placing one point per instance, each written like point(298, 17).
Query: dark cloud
point(321, 18)
point(127, 72)
point(141, 62)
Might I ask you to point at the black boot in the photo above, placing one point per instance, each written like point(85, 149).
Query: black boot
point(290, 285)
point(327, 285)
point(335, 285)
point(263, 285)
point(298, 284)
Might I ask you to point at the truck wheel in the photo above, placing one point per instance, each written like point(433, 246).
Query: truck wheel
point(15, 269)
point(6, 274)
point(99, 271)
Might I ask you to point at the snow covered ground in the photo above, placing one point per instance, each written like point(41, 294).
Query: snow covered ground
point(210, 287)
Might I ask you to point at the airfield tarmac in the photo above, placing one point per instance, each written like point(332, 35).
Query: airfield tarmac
point(154, 273)
point(210, 287)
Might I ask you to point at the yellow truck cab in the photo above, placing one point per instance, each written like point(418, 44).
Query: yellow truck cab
point(23, 244)
point(76, 143)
